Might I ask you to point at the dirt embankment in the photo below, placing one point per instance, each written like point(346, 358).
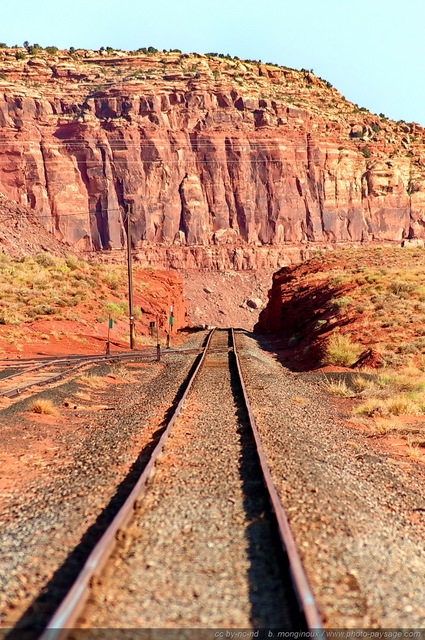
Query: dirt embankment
point(372, 298)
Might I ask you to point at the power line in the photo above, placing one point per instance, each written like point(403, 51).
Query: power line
point(177, 146)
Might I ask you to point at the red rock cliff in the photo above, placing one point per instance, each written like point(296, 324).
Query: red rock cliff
point(204, 151)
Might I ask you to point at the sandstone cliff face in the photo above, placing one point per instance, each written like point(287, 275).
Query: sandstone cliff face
point(214, 158)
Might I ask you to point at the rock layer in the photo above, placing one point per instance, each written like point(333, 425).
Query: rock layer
point(218, 156)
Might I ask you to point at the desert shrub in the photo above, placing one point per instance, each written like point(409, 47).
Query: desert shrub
point(112, 280)
point(43, 309)
point(361, 384)
point(407, 347)
point(382, 426)
point(398, 287)
point(371, 278)
point(117, 310)
point(360, 308)
point(10, 317)
point(72, 262)
point(341, 351)
point(120, 371)
point(45, 259)
point(319, 324)
point(340, 303)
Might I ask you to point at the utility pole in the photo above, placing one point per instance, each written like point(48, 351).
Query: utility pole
point(130, 279)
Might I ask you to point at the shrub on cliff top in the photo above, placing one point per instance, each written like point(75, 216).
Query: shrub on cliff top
point(33, 49)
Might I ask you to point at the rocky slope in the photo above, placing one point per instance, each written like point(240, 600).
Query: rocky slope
point(222, 163)
point(22, 234)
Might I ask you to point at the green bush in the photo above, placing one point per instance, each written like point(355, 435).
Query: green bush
point(117, 310)
point(341, 303)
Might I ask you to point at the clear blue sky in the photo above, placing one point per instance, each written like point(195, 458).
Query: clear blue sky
point(372, 51)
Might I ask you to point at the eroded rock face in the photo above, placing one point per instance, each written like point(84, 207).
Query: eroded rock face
point(213, 158)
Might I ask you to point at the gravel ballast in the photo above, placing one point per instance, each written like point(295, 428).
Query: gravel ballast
point(50, 523)
point(356, 512)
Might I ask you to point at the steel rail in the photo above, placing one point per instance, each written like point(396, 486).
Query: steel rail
point(72, 357)
point(302, 588)
point(73, 604)
point(51, 360)
point(25, 371)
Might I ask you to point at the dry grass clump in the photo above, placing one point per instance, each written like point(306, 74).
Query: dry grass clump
point(401, 405)
point(91, 380)
point(390, 396)
point(361, 384)
point(414, 451)
point(341, 351)
point(121, 372)
point(391, 426)
point(338, 388)
point(372, 407)
point(382, 426)
point(42, 405)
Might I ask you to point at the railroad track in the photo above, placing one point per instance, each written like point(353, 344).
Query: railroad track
point(202, 540)
point(36, 372)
